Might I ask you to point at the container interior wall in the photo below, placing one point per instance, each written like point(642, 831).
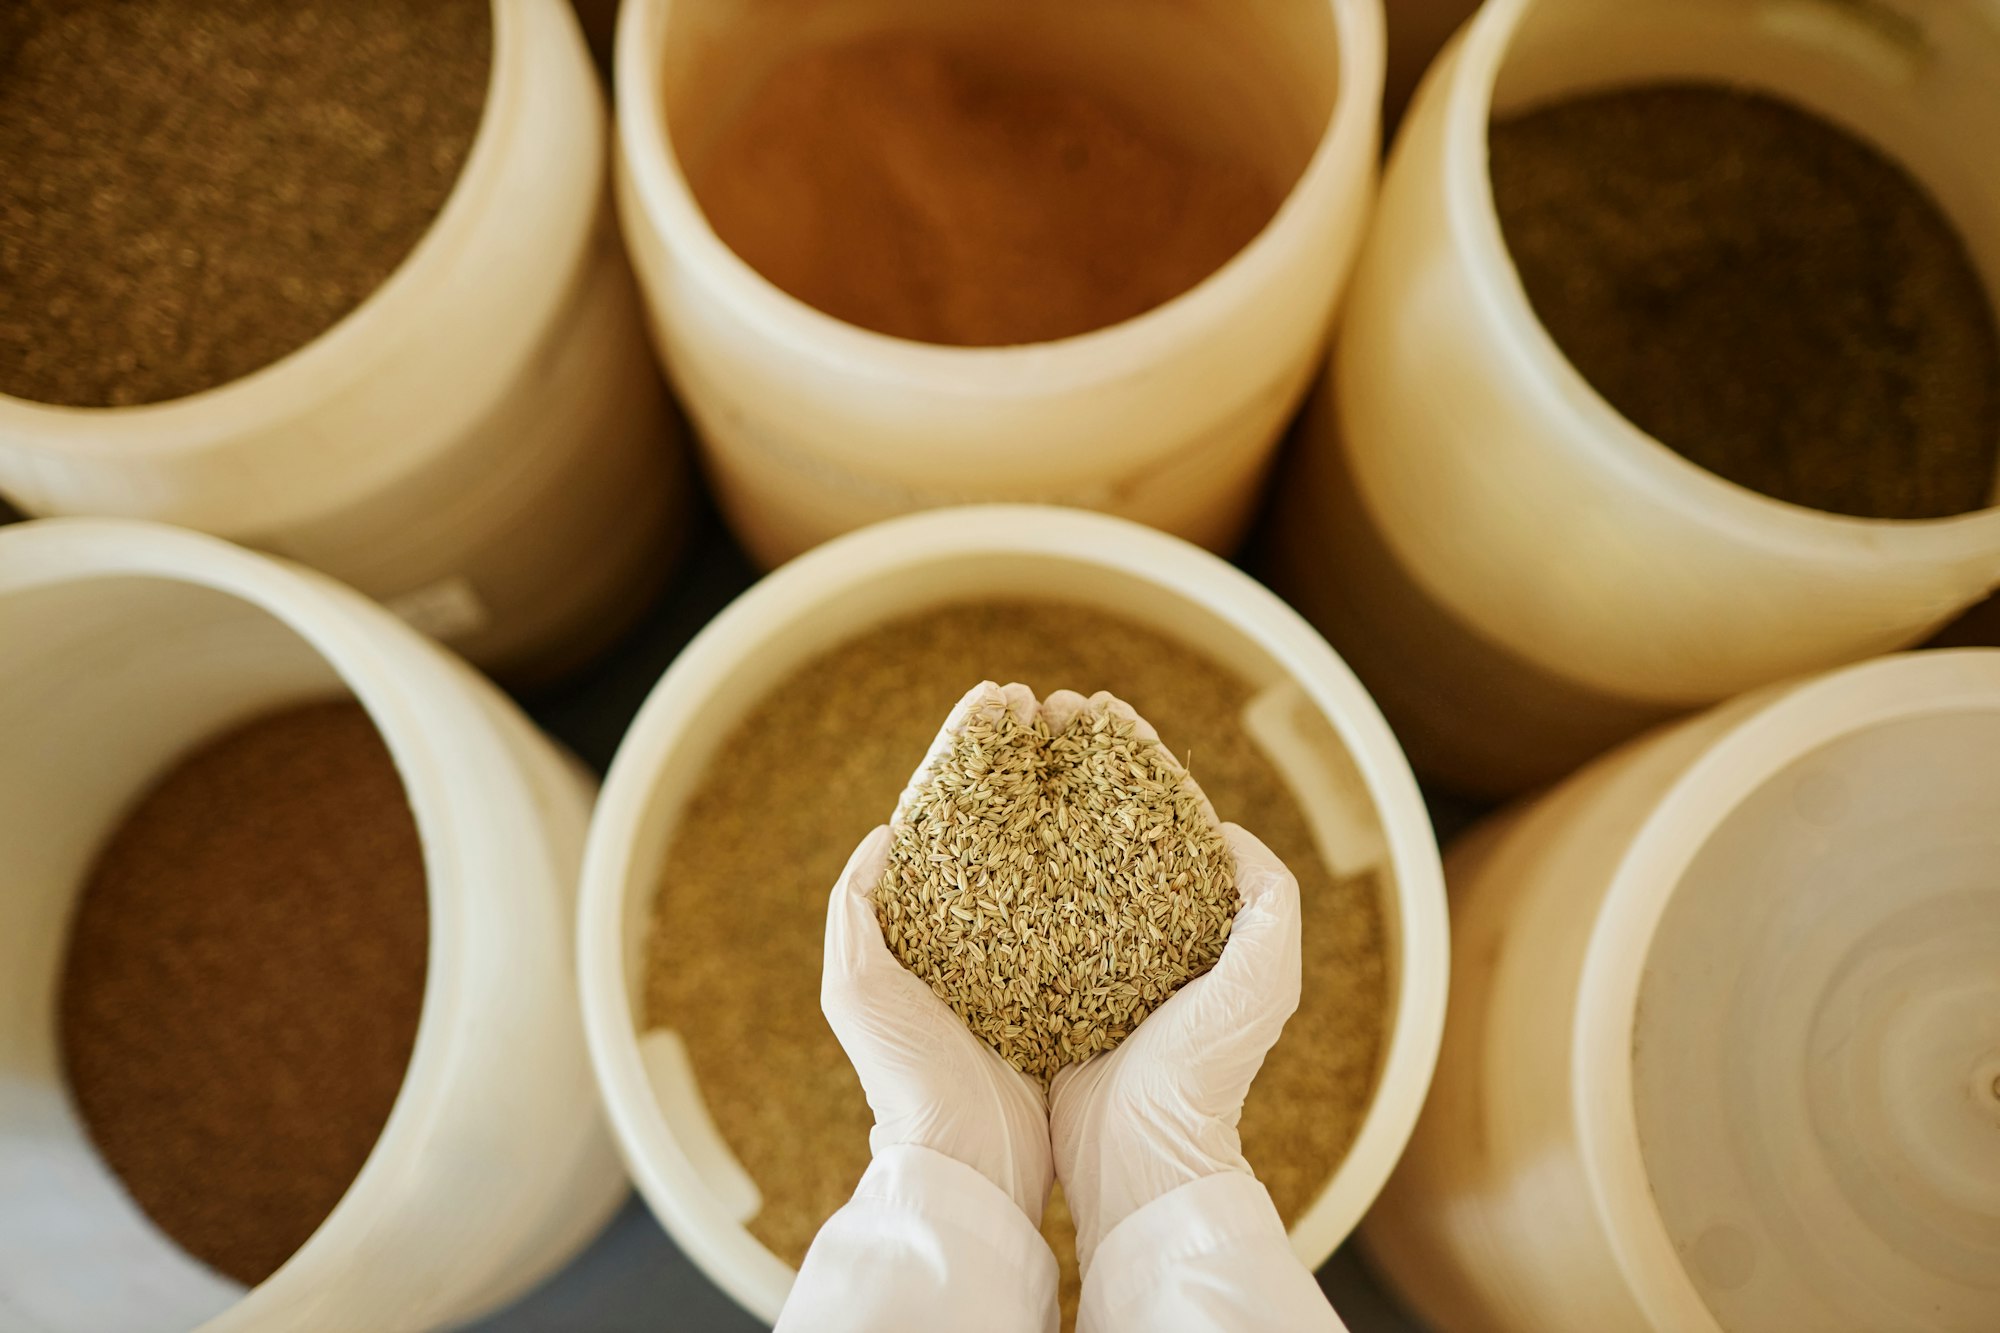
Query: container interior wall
point(104, 682)
point(1918, 79)
point(1817, 1036)
point(1314, 760)
point(1251, 79)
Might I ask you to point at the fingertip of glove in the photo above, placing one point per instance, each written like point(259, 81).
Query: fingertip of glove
point(1069, 703)
point(1060, 709)
point(1019, 700)
point(991, 697)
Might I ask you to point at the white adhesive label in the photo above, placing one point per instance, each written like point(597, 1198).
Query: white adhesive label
point(447, 609)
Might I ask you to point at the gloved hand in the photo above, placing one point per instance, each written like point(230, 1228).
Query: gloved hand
point(929, 1081)
point(1161, 1110)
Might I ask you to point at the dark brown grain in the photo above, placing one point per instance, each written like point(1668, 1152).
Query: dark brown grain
point(1760, 291)
point(193, 189)
point(243, 981)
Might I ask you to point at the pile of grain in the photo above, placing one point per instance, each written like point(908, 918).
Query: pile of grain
point(192, 191)
point(1761, 292)
point(1054, 888)
point(734, 952)
point(243, 982)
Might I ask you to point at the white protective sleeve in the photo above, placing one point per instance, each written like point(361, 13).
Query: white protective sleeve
point(926, 1244)
point(1208, 1257)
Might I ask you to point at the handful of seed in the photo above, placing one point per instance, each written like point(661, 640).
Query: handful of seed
point(1055, 875)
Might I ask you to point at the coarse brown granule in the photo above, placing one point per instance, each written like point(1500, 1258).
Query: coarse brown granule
point(1056, 886)
point(735, 947)
point(917, 188)
point(195, 189)
point(244, 975)
point(1759, 291)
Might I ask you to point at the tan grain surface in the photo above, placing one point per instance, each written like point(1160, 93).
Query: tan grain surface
point(734, 952)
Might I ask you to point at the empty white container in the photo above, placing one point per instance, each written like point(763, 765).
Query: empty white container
point(125, 644)
point(1318, 727)
point(483, 443)
point(811, 426)
point(1607, 579)
point(1724, 1039)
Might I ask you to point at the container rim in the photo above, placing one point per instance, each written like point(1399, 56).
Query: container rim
point(344, 354)
point(1116, 352)
point(1497, 297)
point(1790, 723)
point(660, 1165)
point(333, 622)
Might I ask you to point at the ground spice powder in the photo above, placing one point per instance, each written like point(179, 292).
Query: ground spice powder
point(1761, 292)
point(244, 975)
point(194, 190)
point(911, 187)
point(733, 956)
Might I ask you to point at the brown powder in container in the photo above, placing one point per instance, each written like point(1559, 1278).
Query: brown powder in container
point(244, 976)
point(913, 188)
point(1759, 291)
point(192, 191)
point(734, 951)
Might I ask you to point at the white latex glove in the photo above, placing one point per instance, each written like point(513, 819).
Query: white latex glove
point(929, 1081)
point(1161, 1111)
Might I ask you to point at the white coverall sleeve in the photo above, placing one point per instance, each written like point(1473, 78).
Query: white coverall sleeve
point(1211, 1257)
point(927, 1244)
